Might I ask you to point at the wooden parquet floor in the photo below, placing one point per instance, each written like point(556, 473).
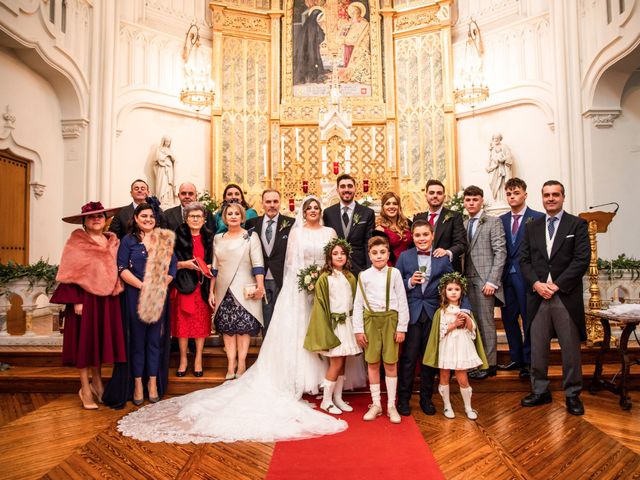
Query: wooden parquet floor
point(50, 436)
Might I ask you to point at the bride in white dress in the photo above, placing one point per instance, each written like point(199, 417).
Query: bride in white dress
point(264, 404)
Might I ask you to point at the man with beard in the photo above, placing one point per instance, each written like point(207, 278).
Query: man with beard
point(448, 229)
point(351, 221)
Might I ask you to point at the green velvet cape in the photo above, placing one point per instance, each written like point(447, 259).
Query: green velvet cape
point(433, 346)
point(320, 336)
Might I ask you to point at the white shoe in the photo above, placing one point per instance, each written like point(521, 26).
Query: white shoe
point(393, 414)
point(330, 408)
point(342, 405)
point(448, 412)
point(374, 412)
point(471, 414)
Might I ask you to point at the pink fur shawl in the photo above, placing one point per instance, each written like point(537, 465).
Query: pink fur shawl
point(89, 265)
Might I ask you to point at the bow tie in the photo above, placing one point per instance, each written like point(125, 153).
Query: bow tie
point(428, 253)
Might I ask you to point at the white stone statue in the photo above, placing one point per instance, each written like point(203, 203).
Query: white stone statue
point(499, 168)
point(164, 171)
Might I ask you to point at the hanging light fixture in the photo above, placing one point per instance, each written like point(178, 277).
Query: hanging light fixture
point(198, 90)
point(472, 89)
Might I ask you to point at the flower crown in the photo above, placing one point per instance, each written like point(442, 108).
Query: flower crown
point(450, 278)
point(328, 248)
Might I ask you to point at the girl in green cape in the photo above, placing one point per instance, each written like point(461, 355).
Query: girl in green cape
point(454, 343)
point(330, 329)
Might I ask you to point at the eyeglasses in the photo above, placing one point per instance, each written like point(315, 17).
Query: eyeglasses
point(194, 217)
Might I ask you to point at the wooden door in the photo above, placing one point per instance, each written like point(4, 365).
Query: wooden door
point(14, 208)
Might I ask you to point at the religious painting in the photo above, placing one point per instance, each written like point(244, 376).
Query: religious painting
point(331, 36)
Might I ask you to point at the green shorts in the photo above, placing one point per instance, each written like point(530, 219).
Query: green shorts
point(380, 328)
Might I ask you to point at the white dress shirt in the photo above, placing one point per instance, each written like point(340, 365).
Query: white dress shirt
point(374, 282)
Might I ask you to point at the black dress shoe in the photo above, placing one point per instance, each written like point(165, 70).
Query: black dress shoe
point(525, 372)
point(574, 405)
point(535, 399)
point(198, 373)
point(482, 374)
point(427, 407)
point(510, 366)
point(404, 409)
point(181, 373)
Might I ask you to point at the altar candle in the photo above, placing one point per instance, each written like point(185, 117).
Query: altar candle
point(373, 142)
point(405, 159)
point(264, 159)
point(305, 186)
point(297, 145)
point(292, 204)
point(365, 186)
point(324, 160)
point(281, 152)
point(391, 154)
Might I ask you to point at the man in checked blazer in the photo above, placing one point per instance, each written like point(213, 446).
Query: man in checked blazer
point(351, 221)
point(273, 230)
point(483, 265)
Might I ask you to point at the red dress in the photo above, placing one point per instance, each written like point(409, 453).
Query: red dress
point(95, 337)
point(398, 243)
point(192, 315)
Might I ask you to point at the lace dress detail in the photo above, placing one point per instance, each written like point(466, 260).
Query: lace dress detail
point(264, 405)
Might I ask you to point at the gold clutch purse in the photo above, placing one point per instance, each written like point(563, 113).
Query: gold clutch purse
point(249, 289)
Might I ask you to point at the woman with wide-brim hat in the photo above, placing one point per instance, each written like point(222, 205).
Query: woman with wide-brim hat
point(89, 286)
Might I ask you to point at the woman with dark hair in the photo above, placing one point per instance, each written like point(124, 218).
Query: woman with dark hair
point(395, 226)
point(148, 353)
point(192, 315)
point(89, 287)
point(232, 193)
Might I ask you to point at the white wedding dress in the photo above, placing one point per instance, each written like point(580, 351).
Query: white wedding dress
point(264, 405)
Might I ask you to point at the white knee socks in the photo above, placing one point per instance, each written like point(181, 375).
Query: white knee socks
point(337, 396)
point(444, 393)
point(375, 394)
point(466, 397)
point(392, 386)
point(327, 396)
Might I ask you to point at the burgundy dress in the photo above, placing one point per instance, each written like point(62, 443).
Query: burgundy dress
point(191, 313)
point(97, 336)
point(397, 243)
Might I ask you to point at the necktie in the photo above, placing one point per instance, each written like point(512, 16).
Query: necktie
point(432, 218)
point(515, 226)
point(551, 226)
point(470, 228)
point(269, 231)
point(345, 216)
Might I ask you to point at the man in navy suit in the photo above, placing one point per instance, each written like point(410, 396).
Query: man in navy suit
point(555, 256)
point(515, 290)
point(421, 274)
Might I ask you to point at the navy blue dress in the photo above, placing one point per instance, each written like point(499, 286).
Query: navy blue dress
point(147, 344)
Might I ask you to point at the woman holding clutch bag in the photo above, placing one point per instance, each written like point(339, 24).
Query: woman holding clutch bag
point(191, 312)
point(237, 287)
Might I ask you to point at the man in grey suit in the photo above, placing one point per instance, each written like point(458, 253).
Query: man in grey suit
point(555, 257)
point(483, 264)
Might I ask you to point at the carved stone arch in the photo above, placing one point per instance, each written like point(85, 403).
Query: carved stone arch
point(8, 142)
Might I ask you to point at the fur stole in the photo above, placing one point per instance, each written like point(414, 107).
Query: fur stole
point(91, 266)
point(154, 287)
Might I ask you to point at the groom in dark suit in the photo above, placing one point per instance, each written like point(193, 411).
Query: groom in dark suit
point(515, 291)
point(273, 230)
point(421, 273)
point(351, 221)
point(555, 257)
point(449, 234)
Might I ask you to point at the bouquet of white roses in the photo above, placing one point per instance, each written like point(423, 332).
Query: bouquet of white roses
point(307, 278)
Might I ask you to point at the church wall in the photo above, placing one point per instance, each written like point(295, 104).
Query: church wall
point(525, 131)
point(616, 170)
point(35, 105)
point(142, 129)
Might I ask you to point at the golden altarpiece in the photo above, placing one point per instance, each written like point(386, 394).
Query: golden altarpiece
point(275, 64)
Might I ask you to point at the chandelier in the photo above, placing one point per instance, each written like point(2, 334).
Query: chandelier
point(198, 85)
point(472, 88)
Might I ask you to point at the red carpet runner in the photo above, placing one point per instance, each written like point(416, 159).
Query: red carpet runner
point(375, 450)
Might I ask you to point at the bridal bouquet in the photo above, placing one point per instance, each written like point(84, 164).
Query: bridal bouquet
point(307, 278)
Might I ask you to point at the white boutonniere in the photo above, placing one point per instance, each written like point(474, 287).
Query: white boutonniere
point(356, 218)
point(528, 220)
point(448, 216)
point(285, 223)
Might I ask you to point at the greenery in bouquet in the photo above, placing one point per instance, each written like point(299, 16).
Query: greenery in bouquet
point(307, 278)
point(209, 203)
point(39, 271)
point(456, 203)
